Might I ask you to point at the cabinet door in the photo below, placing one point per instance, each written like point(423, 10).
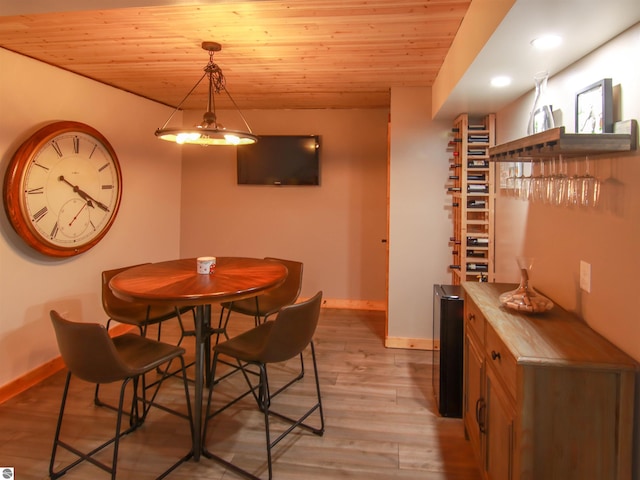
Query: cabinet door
point(473, 403)
point(499, 430)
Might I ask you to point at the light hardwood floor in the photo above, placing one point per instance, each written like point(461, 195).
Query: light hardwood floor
point(381, 419)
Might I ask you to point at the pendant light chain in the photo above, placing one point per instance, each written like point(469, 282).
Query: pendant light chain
point(209, 132)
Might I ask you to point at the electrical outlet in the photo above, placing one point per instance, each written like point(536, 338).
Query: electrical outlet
point(585, 276)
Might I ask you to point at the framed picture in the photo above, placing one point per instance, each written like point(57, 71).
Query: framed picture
point(594, 108)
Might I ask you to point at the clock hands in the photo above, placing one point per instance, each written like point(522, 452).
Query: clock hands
point(84, 205)
point(84, 195)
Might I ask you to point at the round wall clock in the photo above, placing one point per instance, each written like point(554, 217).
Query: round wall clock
point(62, 189)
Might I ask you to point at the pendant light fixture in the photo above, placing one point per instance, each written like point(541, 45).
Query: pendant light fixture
point(209, 132)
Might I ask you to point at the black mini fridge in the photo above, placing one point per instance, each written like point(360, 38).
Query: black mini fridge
point(447, 360)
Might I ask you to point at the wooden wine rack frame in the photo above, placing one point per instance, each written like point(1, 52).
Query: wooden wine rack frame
point(473, 197)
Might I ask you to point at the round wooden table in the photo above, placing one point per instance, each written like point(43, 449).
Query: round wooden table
point(177, 283)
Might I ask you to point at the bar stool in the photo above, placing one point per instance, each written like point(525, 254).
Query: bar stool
point(90, 354)
point(273, 341)
point(262, 306)
point(138, 315)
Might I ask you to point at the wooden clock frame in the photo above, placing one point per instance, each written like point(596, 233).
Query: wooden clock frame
point(14, 194)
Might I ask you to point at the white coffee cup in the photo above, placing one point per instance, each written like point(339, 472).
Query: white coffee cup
point(206, 265)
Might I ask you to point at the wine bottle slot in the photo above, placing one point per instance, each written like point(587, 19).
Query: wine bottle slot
point(477, 267)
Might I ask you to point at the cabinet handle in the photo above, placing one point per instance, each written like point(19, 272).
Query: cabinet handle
point(472, 317)
point(480, 409)
point(495, 355)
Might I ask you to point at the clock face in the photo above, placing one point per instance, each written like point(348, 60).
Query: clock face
point(62, 189)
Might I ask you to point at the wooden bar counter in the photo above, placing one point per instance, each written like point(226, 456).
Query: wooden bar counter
point(545, 396)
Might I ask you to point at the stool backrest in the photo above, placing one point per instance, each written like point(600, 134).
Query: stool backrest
point(288, 292)
point(115, 307)
point(88, 351)
point(292, 330)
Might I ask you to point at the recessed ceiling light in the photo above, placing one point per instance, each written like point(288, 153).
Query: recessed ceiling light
point(500, 81)
point(546, 42)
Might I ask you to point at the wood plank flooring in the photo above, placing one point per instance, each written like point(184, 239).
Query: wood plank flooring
point(381, 419)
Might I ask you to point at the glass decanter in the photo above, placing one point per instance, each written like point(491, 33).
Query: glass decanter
point(525, 298)
point(541, 116)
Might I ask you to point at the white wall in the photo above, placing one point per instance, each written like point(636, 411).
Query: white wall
point(607, 237)
point(335, 229)
point(420, 219)
point(33, 94)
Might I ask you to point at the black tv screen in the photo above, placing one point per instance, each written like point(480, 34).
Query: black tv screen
point(280, 160)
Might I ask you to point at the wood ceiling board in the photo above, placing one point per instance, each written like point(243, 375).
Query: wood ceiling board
point(338, 54)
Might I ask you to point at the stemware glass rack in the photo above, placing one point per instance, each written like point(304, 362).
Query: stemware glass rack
point(555, 142)
point(547, 154)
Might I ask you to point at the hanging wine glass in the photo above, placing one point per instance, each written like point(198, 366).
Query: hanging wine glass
point(590, 188)
point(525, 190)
point(539, 185)
point(550, 184)
point(574, 188)
point(510, 181)
point(562, 181)
point(517, 188)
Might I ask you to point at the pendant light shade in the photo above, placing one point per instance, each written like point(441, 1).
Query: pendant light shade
point(210, 131)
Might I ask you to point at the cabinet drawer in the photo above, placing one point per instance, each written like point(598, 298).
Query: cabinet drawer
point(502, 360)
point(474, 319)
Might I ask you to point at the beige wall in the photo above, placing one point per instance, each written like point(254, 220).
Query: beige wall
point(420, 219)
point(607, 237)
point(31, 95)
point(335, 229)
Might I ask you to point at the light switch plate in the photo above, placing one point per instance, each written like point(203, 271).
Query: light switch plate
point(585, 276)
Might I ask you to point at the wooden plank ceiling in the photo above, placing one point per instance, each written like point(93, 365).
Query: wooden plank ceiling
point(275, 54)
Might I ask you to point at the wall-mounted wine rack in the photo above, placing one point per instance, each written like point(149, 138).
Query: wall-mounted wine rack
point(472, 187)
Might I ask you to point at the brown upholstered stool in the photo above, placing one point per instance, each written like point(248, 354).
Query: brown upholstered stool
point(92, 355)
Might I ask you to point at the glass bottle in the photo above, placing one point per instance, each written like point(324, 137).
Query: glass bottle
point(541, 116)
point(525, 298)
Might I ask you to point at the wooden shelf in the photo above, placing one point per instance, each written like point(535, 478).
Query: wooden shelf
point(556, 142)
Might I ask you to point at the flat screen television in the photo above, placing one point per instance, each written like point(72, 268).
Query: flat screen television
point(280, 160)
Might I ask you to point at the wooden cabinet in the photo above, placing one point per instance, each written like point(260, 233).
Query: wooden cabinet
point(472, 187)
point(473, 378)
point(500, 423)
point(545, 397)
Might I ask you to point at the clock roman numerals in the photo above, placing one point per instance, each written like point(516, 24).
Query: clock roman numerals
point(54, 230)
point(39, 215)
point(41, 166)
point(57, 148)
point(36, 191)
point(76, 145)
point(107, 187)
